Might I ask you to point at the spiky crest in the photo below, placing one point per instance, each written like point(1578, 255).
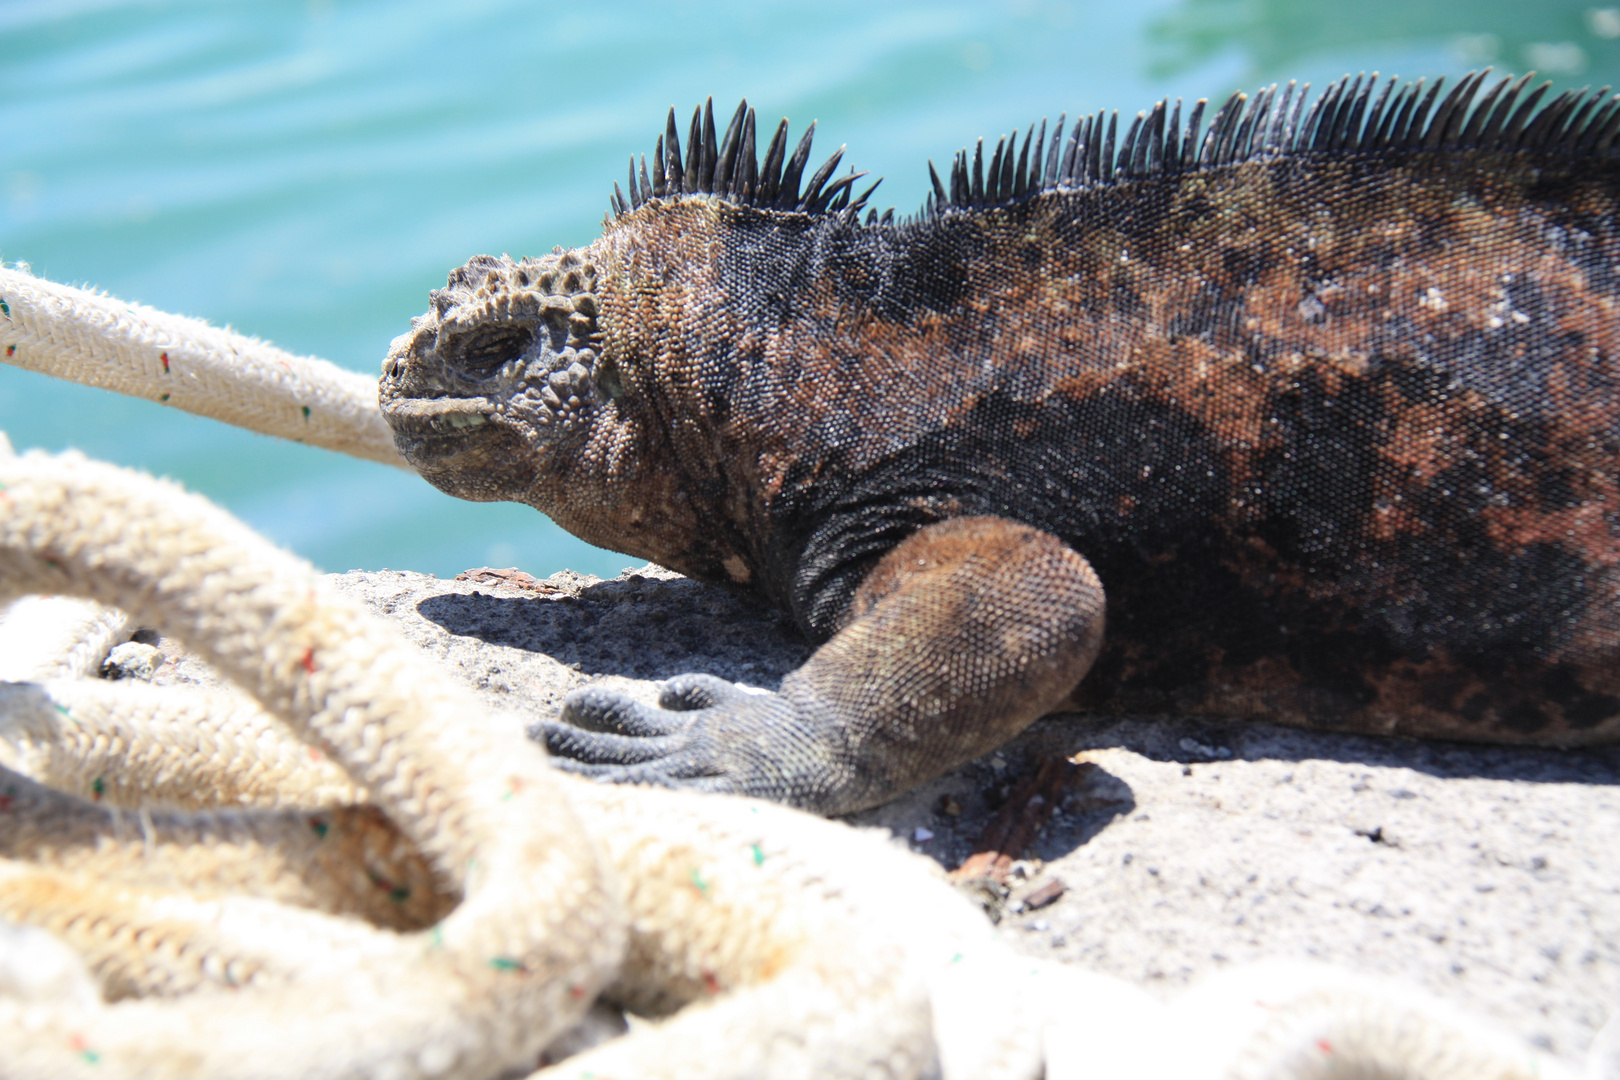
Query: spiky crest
point(1353, 115)
point(732, 169)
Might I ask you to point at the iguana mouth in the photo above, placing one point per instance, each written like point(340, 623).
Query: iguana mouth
point(444, 415)
point(432, 432)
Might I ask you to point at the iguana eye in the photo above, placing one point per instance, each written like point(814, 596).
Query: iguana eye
point(484, 350)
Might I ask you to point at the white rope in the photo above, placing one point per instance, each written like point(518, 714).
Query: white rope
point(480, 993)
point(92, 338)
point(129, 744)
point(55, 637)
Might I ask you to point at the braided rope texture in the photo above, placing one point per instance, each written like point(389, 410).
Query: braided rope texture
point(485, 987)
point(88, 337)
point(445, 912)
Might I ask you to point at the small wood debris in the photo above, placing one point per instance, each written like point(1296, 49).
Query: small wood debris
point(1013, 830)
point(510, 576)
point(1044, 894)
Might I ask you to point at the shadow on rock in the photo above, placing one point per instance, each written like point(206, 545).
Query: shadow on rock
point(645, 626)
point(639, 627)
point(1196, 741)
point(1095, 801)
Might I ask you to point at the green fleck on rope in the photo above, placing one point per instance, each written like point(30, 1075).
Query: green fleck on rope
point(305, 409)
point(5, 308)
point(698, 883)
point(396, 893)
point(165, 397)
point(506, 963)
point(98, 788)
point(759, 854)
point(319, 826)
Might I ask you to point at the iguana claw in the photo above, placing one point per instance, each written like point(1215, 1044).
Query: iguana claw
point(704, 733)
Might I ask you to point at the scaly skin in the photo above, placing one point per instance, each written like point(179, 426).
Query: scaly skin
point(1329, 407)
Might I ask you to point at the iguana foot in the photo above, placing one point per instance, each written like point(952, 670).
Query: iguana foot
point(705, 733)
point(956, 640)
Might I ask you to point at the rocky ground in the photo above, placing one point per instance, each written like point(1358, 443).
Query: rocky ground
point(1490, 876)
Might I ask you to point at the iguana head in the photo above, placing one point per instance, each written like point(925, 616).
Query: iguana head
point(549, 380)
point(505, 369)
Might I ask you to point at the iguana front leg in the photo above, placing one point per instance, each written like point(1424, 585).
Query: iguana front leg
point(960, 637)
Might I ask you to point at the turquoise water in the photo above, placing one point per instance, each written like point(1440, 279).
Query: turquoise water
point(306, 172)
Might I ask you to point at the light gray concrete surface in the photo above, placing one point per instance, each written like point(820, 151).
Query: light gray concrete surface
point(1490, 876)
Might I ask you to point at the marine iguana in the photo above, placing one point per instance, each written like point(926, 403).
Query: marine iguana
point(1327, 401)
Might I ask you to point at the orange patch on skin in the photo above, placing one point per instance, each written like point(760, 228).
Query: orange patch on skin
point(944, 547)
point(1585, 529)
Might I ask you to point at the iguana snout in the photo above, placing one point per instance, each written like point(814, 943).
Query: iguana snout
point(505, 365)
